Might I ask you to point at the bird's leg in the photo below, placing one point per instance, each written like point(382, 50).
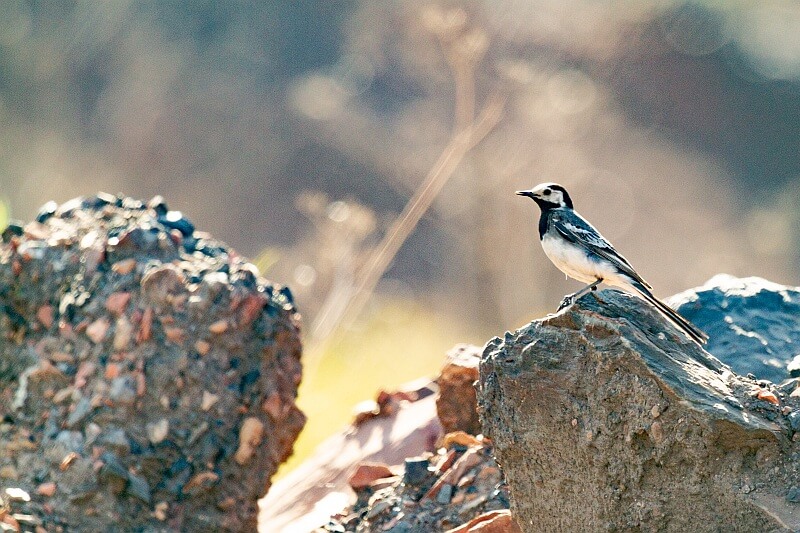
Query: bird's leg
point(571, 298)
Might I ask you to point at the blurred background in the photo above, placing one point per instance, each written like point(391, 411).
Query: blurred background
point(299, 131)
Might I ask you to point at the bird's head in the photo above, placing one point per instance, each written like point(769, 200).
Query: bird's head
point(548, 195)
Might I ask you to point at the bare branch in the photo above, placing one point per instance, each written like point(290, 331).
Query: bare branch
point(468, 132)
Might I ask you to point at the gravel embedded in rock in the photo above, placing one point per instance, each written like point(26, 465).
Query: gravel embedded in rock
point(120, 395)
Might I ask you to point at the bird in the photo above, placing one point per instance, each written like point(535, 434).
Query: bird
point(582, 253)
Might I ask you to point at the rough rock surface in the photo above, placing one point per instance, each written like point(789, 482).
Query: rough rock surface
point(753, 324)
point(147, 376)
point(606, 418)
point(456, 403)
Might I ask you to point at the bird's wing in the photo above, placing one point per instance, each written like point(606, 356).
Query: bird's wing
point(576, 230)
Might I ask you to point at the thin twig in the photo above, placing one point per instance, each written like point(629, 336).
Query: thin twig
point(460, 144)
point(342, 309)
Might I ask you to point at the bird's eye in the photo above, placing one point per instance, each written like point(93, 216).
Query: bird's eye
point(546, 192)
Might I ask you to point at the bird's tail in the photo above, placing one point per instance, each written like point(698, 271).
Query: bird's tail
point(692, 331)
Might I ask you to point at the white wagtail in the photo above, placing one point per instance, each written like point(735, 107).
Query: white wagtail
point(580, 252)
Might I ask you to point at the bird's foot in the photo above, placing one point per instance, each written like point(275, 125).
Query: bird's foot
point(566, 302)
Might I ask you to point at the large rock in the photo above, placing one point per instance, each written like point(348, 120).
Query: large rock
point(606, 418)
point(753, 324)
point(147, 376)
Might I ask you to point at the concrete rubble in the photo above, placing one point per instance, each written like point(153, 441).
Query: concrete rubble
point(148, 373)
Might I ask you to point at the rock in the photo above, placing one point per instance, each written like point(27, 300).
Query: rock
point(450, 496)
point(80, 412)
point(160, 511)
point(173, 334)
point(459, 438)
point(273, 406)
point(201, 482)
point(116, 439)
point(113, 473)
point(366, 473)
point(437, 491)
point(318, 488)
point(416, 470)
point(97, 330)
point(250, 309)
point(157, 431)
point(250, 435)
point(117, 302)
point(753, 324)
point(85, 371)
point(138, 488)
point(794, 420)
point(8, 472)
point(161, 283)
point(444, 494)
point(456, 404)
point(45, 315)
point(606, 362)
point(491, 522)
point(377, 509)
point(46, 489)
point(176, 220)
point(208, 400)
point(71, 441)
point(123, 390)
point(793, 366)
point(112, 371)
point(17, 494)
point(768, 396)
point(202, 347)
point(124, 266)
point(218, 327)
point(145, 332)
point(105, 366)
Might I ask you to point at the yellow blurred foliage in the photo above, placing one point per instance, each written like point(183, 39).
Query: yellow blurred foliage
point(397, 343)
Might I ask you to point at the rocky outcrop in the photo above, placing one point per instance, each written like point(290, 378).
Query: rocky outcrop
point(753, 324)
point(606, 418)
point(147, 376)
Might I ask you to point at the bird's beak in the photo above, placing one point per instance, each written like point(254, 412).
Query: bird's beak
point(529, 194)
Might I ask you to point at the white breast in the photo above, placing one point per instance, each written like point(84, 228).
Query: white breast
point(573, 262)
